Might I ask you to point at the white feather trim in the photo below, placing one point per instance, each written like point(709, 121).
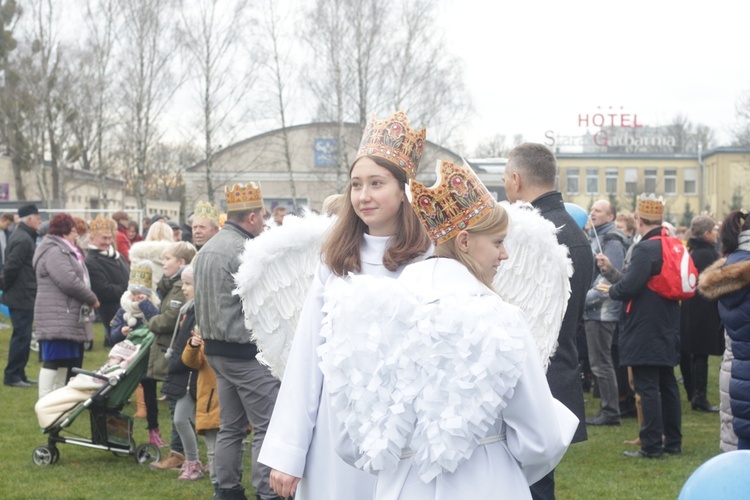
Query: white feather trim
point(275, 272)
point(426, 377)
point(536, 276)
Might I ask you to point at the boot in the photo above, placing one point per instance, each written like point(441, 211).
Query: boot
point(700, 380)
point(46, 381)
point(173, 461)
point(191, 471)
point(140, 403)
point(61, 378)
point(154, 437)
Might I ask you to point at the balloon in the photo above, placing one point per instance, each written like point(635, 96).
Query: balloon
point(723, 476)
point(579, 214)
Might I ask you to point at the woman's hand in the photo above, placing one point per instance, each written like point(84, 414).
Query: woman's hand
point(283, 484)
point(97, 304)
point(125, 330)
point(602, 261)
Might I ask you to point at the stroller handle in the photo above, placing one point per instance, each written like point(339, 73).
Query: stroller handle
point(111, 380)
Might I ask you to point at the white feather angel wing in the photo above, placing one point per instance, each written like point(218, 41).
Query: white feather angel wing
point(275, 272)
point(536, 275)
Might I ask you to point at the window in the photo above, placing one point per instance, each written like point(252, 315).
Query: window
point(649, 185)
point(592, 181)
point(631, 180)
point(611, 177)
point(691, 180)
point(572, 181)
point(670, 181)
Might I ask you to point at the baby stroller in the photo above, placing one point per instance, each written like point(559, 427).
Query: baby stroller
point(111, 430)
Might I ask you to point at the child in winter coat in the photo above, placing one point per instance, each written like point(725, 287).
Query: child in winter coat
point(207, 414)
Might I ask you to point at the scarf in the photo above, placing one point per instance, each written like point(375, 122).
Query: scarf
point(110, 252)
point(744, 241)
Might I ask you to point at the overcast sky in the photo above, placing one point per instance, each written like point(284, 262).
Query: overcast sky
point(533, 66)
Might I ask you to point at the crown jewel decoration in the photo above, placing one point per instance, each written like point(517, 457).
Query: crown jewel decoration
point(204, 210)
point(243, 197)
point(101, 225)
point(141, 276)
point(650, 207)
point(395, 141)
point(457, 201)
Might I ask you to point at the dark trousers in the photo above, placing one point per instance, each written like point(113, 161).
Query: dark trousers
point(20, 344)
point(544, 489)
point(662, 414)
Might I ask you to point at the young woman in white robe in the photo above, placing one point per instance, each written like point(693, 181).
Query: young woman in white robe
point(436, 382)
point(377, 234)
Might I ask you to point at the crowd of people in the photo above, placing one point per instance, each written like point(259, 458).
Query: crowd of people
point(400, 244)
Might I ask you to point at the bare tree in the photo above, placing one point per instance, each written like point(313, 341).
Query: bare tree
point(92, 119)
point(493, 147)
point(147, 79)
point(213, 33)
point(275, 68)
point(741, 131)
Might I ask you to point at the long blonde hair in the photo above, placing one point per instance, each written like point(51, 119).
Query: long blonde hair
point(341, 248)
point(492, 223)
point(160, 231)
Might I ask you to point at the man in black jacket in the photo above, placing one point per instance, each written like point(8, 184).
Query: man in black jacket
point(650, 337)
point(19, 294)
point(530, 177)
point(108, 271)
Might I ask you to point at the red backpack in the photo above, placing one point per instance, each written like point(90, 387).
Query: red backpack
point(678, 277)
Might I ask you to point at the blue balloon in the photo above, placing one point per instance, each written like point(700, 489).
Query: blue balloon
point(579, 214)
point(723, 476)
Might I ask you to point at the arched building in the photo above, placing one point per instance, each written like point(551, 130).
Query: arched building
point(314, 173)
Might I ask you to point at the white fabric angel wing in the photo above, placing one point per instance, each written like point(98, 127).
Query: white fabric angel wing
point(275, 272)
point(536, 275)
point(416, 379)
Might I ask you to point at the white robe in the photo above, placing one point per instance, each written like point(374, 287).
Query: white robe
point(537, 429)
point(298, 441)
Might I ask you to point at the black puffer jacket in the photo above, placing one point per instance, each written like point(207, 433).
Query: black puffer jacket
point(701, 331)
point(651, 331)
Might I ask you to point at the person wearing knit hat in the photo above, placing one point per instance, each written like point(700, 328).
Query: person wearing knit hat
point(19, 285)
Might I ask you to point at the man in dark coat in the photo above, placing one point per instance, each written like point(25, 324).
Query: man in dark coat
point(530, 177)
point(108, 270)
point(19, 294)
point(650, 338)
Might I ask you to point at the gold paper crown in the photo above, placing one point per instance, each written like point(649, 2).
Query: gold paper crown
point(204, 210)
point(457, 201)
point(650, 207)
point(393, 140)
point(141, 277)
point(247, 197)
point(102, 224)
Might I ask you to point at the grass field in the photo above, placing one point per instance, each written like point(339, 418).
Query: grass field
point(593, 469)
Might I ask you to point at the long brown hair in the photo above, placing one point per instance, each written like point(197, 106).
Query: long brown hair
point(492, 223)
point(341, 248)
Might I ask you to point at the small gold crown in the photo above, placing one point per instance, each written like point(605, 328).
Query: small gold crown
point(456, 201)
point(650, 207)
point(247, 197)
point(141, 276)
point(395, 141)
point(102, 224)
point(204, 210)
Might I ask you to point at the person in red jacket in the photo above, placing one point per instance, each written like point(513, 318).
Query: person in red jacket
point(123, 241)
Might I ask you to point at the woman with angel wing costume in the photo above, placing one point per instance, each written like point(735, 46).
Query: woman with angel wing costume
point(376, 234)
point(436, 382)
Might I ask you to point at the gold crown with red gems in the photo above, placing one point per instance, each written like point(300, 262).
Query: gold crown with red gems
point(650, 207)
point(243, 197)
point(204, 210)
point(456, 201)
point(395, 141)
point(102, 224)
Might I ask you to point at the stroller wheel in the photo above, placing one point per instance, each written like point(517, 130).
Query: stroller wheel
point(45, 455)
point(147, 453)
